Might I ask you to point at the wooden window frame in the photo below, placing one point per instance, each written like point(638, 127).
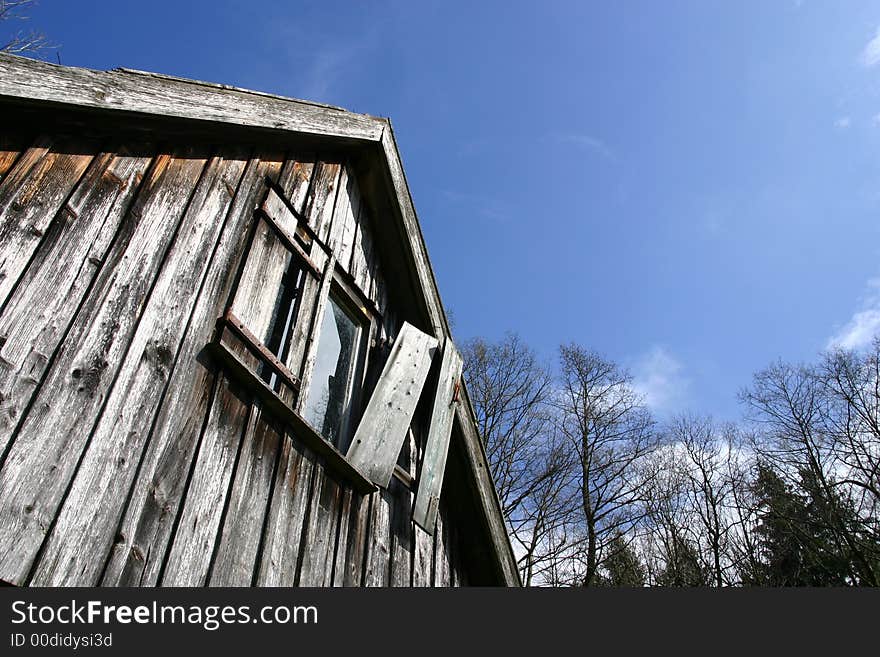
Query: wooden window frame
point(286, 409)
point(353, 303)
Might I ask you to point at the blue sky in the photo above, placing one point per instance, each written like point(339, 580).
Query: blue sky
point(691, 188)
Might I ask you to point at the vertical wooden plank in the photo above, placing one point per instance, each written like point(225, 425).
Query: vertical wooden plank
point(9, 153)
point(349, 570)
point(28, 212)
point(322, 204)
point(155, 498)
point(320, 533)
point(31, 163)
point(441, 554)
point(362, 255)
point(401, 535)
point(344, 224)
point(423, 543)
point(383, 427)
point(283, 533)
point(44, 303)
point(76, 549)
point(193, 544)
point(43, 459)
point(439, 433)
point(423, 557)
point(236, 557)
point(377, 567)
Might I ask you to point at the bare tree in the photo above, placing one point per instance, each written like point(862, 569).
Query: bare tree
point(805, 429)
point(510, 389)
point(610, 432)
point(665, 510)
point(706, 451)
point(22, 42)
point(851, 382)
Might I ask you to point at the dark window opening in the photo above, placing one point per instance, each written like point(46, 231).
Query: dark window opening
point(283, 317)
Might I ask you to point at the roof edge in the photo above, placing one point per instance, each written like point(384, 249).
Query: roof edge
point(125, 90)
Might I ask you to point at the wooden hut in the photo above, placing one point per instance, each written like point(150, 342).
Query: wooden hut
point(223, 357)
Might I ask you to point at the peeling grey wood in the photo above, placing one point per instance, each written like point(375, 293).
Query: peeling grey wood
point(388, 414)
point(442, 576)
point(401, 535)
point(236, 557)
point(146, 526)
point(189, 557)
point(28, 212)
point(162, 96)
point(349, 561)
point(363, 257)
point(275, 207)
point(284, 528)
point(45, 301)
point(439, 433)
point(377, 564)
point(344, 224)
point(322, 204)
point(46, 450)
point(91, 511)
point(29, 164)
point(423, 557)
point(320, 532)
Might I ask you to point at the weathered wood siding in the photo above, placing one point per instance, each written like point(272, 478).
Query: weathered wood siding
point(127, 455)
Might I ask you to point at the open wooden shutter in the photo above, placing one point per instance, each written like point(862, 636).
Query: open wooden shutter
point(437, 446)
point(376, 443)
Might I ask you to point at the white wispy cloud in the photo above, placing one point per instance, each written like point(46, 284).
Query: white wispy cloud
point(320, 62)
point(861, 328)
point(871, 53)
point(659, 378)
point(843, 122)
point(482, 206)
point(586, 142)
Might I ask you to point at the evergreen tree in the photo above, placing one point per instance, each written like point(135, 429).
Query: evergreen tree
point(683, 566)
point(622, 565)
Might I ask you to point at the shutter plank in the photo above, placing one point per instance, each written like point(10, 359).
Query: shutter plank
point(437, 447)
point(383, 427)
